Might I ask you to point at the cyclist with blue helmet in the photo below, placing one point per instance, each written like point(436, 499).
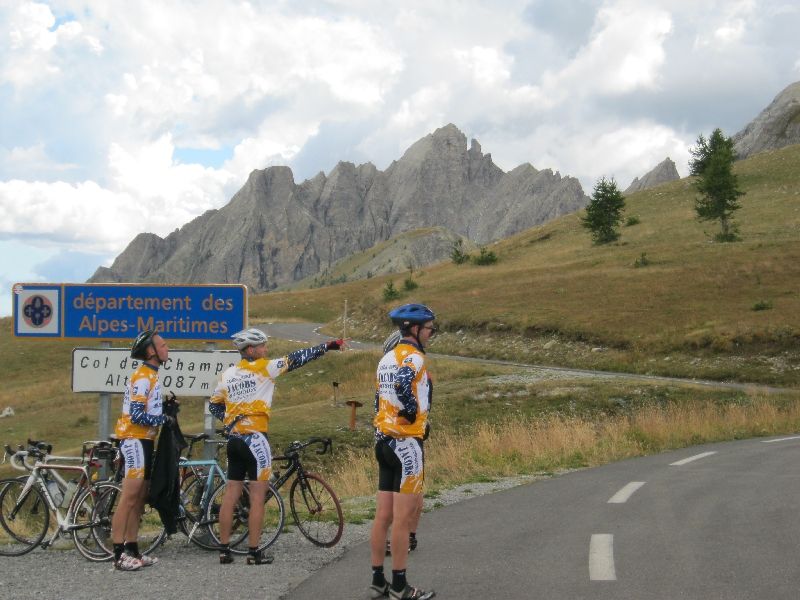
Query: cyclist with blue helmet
point(402, 402)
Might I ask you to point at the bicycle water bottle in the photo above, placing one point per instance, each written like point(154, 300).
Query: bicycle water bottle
point(55, 492)
point(72, 487)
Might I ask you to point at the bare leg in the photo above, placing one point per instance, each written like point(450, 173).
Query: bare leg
point(258, 491)
point(384, 506)
point(404, 508)
point(125, 521)
point(233, 491)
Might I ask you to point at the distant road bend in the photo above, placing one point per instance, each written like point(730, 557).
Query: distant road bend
point(309, 333)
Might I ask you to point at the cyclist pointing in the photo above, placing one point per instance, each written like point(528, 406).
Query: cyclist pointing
point(136, 429)
point(402, 401)
point(243, 401)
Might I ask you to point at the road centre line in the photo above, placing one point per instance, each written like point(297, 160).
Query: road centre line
point(601, 557)
point(626, 492)
point(680, 463)
point(797, 437)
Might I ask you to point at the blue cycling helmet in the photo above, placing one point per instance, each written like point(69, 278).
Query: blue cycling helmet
point(411, 314)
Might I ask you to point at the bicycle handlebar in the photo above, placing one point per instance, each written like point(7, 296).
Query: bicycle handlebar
point(18, 458)
point(42, 447)
point(327, 444)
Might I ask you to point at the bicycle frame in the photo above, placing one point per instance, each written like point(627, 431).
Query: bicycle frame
point(214, 471)
point(292, 458)
point(64, 520)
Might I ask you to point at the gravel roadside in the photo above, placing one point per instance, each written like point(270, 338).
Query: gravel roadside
point(186, 571)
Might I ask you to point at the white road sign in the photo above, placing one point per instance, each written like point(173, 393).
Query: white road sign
point(186, 373)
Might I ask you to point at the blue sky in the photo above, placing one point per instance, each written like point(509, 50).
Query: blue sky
point(122, 117)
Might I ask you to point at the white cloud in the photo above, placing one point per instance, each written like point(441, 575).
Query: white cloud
point(31, 159)
point(148, 192)
point(33, 42)
point(609, 148)
point(486, 66)
point(97, 96)
point(624, 53)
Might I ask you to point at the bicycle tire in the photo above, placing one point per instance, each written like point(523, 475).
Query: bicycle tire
point(190, 521)
point(82, 513)
point(150, 537)
point(23, 519)
point(316, 510)
point(272, 523)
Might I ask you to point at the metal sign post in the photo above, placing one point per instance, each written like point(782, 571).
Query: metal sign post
point(104, 411)
point(209, 451)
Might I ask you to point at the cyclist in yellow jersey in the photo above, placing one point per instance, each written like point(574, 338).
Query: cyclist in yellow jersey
point(243, 401)
point(402, 402)
point(136, 429)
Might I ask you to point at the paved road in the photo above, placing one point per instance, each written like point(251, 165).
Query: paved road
point(722, 525)
point(309, 333)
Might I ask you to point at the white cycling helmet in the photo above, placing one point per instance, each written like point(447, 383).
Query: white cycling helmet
point(249, 337)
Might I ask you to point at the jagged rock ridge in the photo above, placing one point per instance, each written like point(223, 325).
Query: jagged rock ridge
point(274, 231)
point(662, 173)
point(776, 126)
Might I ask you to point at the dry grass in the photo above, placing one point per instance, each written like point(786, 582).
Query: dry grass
point(519, 446)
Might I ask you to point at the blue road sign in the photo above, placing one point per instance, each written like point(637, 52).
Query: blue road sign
point(120, 311)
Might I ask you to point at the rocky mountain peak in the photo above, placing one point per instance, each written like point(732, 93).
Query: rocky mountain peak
point(778, 125)
point(275, 231)
point(662, 173)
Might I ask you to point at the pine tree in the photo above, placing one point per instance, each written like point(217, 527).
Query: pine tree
point(716, 183)
point(604, 211)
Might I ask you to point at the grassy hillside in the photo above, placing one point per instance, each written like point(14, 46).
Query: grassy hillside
point(698, 308)
point(551, 298)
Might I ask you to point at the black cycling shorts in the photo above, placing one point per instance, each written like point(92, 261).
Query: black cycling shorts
point(400, 465)
point(249, 455)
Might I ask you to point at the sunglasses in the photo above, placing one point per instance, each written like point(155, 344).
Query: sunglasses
point(433, 329)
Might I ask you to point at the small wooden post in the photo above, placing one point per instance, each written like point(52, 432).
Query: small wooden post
point(335, 388)
point(344, 321)
point(354, 404)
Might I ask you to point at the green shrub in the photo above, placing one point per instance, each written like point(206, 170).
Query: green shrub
point(762, 305)
point(486, 257)
point(409, 284)
point(457, 254)
point(390, 293)
point(631, 221)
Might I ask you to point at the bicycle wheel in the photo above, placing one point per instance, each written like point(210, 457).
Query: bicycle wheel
point(316, 510)
point(151, 531)
point(271, 523)
point(24, 518)
point(191, 520)
point(81, 517)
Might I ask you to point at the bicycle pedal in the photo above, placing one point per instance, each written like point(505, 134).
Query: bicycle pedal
point(225, 559)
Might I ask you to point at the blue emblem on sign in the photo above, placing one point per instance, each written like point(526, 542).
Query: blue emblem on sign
point(37, 311)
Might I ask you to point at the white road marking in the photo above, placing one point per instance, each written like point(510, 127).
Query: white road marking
point(625, 493)
point(797, 437)
point(601, 557)
point(690, 459)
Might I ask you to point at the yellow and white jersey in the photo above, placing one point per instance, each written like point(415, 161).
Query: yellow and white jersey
point(246, 389)
point(402, 386)
point(141, 406)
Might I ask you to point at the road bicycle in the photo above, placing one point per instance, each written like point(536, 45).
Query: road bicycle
point(202, 491)
point(26, 503)
point(313, 503)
